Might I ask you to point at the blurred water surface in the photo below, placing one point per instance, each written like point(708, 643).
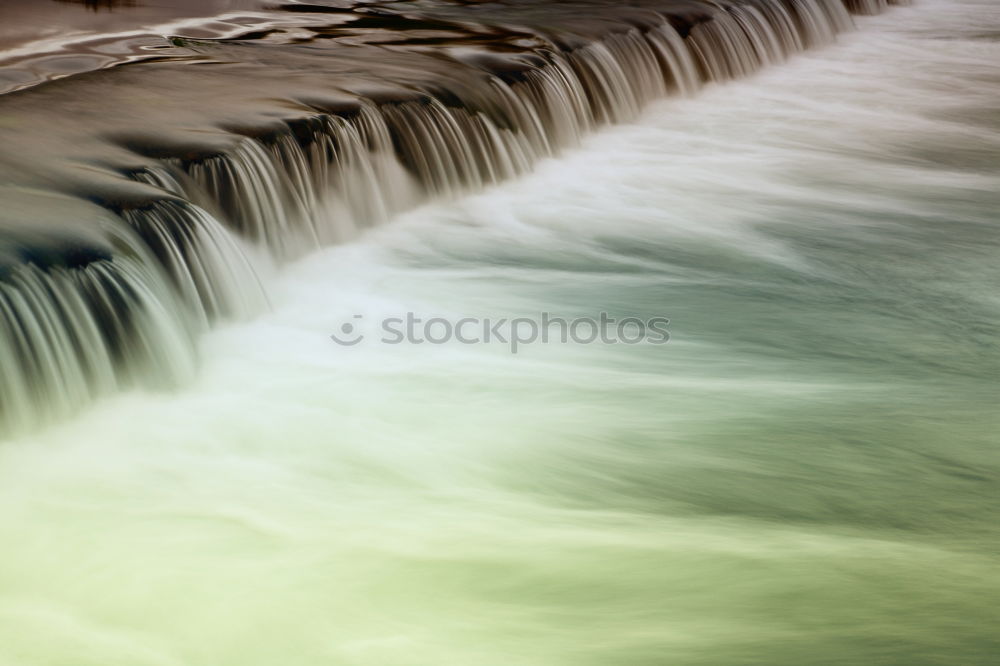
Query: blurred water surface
point(806, 474)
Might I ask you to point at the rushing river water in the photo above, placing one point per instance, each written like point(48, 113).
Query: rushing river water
point(805, 474)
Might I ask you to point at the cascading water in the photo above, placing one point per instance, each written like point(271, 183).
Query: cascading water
point(318, 178)
point(209, 269)
point(71, 334)
point(805, 473)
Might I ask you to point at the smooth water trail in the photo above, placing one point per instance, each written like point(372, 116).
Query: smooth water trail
point(806, 473)
point(419, 126)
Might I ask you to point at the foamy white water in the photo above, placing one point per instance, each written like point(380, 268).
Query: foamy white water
point(806, 473)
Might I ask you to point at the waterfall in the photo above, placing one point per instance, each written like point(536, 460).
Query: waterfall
point(871, 7)
point(68, 334)
point(207, 267)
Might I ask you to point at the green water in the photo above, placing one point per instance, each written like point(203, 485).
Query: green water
point(805, 474)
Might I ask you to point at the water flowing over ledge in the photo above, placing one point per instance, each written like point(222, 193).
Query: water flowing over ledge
point(297, 144)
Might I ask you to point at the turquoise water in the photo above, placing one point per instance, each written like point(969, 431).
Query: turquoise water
point(805, 474)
